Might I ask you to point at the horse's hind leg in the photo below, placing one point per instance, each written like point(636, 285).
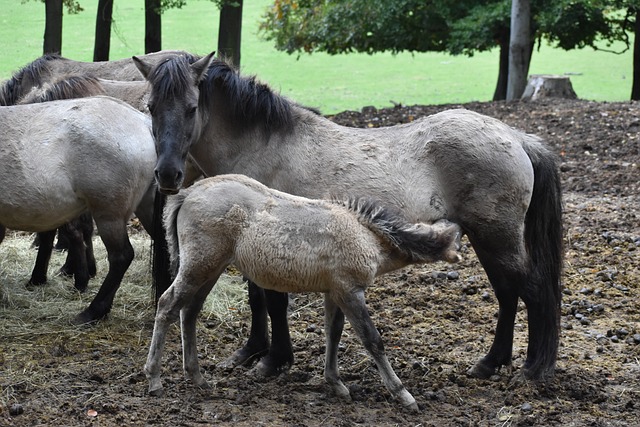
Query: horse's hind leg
point(113, 233)
point(79, 234)
point(354, 307)
point(500, 353)
point(39, 273)
point(76, 263)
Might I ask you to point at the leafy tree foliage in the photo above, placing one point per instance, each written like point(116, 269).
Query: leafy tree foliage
point(460, 27)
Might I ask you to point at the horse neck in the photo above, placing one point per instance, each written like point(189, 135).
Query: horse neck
point(135, 93)
point(225, 145)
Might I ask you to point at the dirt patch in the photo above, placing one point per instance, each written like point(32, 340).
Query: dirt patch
point(436, 321)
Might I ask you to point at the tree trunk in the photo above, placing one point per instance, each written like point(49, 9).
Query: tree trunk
point(519, 48)
point(152, 26)
point(53, 27)
point(103, 30)
point(500, 93)
point(230, 31)
point(635, 89)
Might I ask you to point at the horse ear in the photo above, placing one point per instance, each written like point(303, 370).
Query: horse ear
point(144, 68)
point(201, 66)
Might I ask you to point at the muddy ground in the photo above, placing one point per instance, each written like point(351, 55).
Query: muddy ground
point(436, 321)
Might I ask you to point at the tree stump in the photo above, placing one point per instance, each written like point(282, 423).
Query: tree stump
point(548, 86)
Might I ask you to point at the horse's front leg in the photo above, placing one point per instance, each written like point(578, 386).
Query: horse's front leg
point(39, 273)
point(167, 312)
point(258, 343)
point(280, 356)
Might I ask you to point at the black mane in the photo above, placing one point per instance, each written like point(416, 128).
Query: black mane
point(245, 100)
point(71, 86)
point(12, 90)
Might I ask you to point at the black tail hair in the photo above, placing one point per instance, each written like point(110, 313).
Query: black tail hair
point(543, 239)
point(160, 264)
point(416, 244)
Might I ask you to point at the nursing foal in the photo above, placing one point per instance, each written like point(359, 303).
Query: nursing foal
point(289, 244)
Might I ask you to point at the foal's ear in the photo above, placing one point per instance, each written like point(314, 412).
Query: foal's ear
point(201, 66)
point(144, 68)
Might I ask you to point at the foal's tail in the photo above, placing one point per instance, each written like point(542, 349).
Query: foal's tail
point(160, 265)
point(416, 243)
point(543, 238)
point(170, 218)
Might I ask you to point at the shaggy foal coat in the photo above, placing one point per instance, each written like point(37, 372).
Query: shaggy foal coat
point(290, 244)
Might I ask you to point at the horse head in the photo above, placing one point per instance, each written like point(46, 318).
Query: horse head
point(173, 104)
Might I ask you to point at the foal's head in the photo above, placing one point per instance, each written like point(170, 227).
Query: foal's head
point(173, 104)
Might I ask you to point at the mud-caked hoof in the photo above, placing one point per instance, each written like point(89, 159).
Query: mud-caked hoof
point(80, 287)
point(412, 407)
point(340, 391)
point(35, 283)
point(157, 391)
point(264, 368)
point(481, 370)
point(85, 318)
point(240, 357)
point(66, 271)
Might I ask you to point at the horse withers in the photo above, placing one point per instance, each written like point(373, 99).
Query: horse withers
point(290, 244)
point(62, 158)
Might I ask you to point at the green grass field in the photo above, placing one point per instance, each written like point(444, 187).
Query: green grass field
point(331, 83)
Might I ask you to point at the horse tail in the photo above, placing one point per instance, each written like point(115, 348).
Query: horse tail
point(415, 243)
point(160, 262)
point(543, 240)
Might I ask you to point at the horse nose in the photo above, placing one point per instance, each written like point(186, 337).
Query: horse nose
point(168, 178)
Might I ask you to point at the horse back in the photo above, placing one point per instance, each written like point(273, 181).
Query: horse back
point(283, 242)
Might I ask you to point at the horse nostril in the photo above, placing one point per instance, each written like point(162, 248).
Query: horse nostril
point(179, 176)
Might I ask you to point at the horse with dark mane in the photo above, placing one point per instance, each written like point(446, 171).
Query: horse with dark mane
point(500, 185)
point(78, 233)
point(290, 244)
point(50, 67)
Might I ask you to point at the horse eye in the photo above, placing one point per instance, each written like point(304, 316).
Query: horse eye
point(191, 111)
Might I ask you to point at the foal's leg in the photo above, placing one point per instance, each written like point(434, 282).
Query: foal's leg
point(188, 317)
point(334, 324)
point(39, 273)
point(113, 233)
point(168, 310)
point(354, 307)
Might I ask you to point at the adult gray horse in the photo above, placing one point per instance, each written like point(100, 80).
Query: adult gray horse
point(60, 159)
point(501, 185)
point(50, 67)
